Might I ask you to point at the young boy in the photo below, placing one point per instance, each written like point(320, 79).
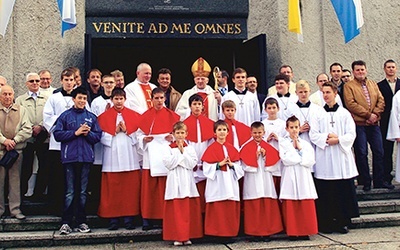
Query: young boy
point(222, 169)
point(306, 109)
point(77, 130)
point(274, 129)
point(56, 104)
point(182, 210)
point(248, 107)
point(262, 216)
point(297, 186)
point(200, 136)
point(120, 181)
point(239, 133)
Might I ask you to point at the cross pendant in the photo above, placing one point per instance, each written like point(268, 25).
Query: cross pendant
point(241, 104)
point(332, 122)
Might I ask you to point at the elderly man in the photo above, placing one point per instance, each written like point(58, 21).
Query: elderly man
point(211, 98)
point(15, 129)
point(172, 96)
point(33, 101)
point(45, 82)
point(138, 92)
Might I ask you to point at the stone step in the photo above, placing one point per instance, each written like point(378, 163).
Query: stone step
point(379, 206)
point(376, 220)
point(44, 222)
point(378, 194)
point(49, 238)
point(53, 238)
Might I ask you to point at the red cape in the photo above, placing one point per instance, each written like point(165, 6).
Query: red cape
point(249, 157)
point(107, 120)
point(158, 121)
point(206, 127)
point(243, 132)
point(215, 153)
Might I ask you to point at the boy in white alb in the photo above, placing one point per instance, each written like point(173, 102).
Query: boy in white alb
point(262, 216)
point(222, 168)
point(297, 186)
point(182, 210)
point(200, 135)
point(274, 129)
point(120, 181)
point(247, 106)
point(286, 100)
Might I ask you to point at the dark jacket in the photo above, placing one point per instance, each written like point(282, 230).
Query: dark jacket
point(387, 94)
point(76, 148)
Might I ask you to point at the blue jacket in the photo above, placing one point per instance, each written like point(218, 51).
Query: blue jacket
point(76, 148)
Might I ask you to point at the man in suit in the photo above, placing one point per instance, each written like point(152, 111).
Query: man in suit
point(223, 77)
point(388, 87)
point(251, 86)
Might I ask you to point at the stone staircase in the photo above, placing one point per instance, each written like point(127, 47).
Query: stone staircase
point(378, 208)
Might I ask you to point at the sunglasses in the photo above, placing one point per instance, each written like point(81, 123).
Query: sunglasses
point(32, 81)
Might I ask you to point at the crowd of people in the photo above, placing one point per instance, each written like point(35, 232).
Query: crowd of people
point(196, 163)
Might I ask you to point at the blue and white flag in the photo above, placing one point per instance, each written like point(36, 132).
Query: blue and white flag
point(6, 8)
point(350, 16)
point(68, 14)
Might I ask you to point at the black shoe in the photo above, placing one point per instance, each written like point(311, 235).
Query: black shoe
point(388, 185)
point(129, 226)
point(295, 238)
point(367, 188)
point(266, 238)
point(113, 227)
point(147, 227)
point(342, 230)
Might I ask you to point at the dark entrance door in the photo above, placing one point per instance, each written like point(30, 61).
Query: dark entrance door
point(108, 54)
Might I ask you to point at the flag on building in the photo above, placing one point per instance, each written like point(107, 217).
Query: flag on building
point(68, 14)
point(350, 16)
point(294, 19)
point(6, 7)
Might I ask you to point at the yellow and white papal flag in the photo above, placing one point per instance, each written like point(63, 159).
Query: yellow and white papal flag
point(6, 7)
point(294, 19)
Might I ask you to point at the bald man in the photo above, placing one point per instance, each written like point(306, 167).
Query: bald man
point(138, 92)
point(15, 129)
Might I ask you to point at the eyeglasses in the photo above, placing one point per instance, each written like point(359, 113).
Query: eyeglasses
point(345, 76)
point(32, 81)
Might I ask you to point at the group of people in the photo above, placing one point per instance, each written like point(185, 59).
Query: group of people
point(195, 163)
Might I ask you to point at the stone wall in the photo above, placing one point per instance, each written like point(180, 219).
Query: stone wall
point(323, 37)
point(33, 40)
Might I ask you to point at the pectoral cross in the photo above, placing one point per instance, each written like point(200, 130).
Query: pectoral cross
point(332, 122)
